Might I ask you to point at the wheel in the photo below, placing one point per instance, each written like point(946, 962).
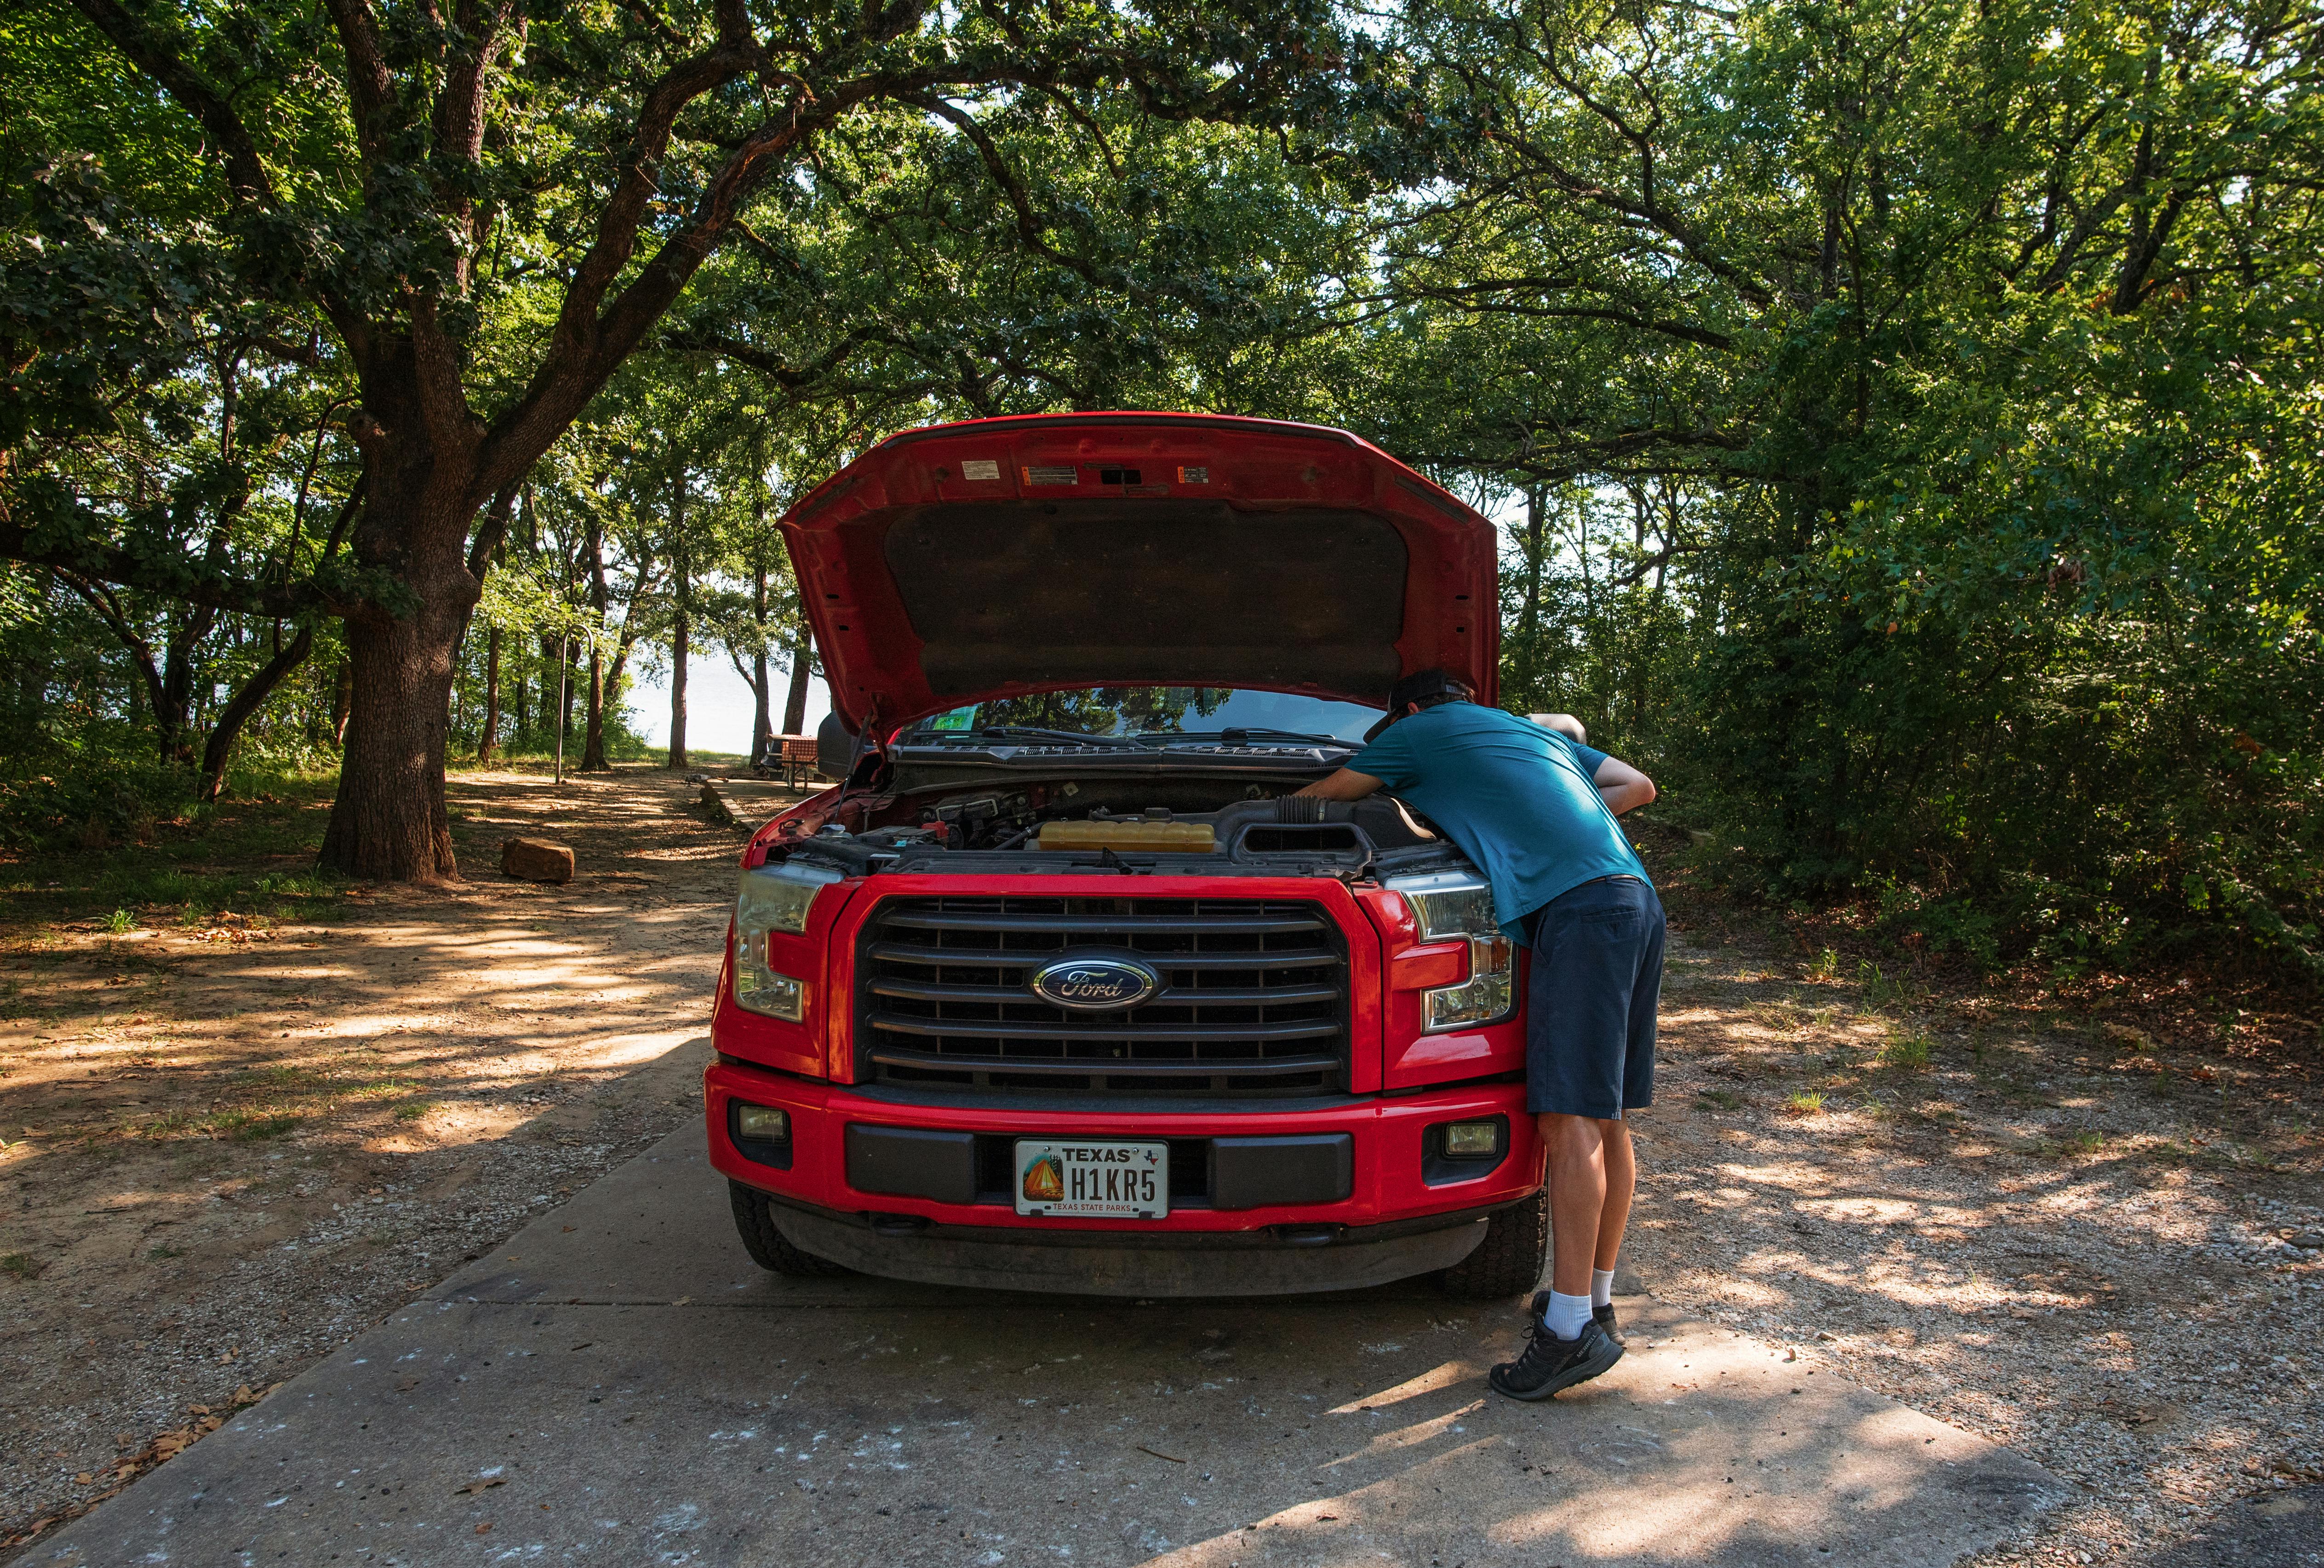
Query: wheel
point(1507, 1262)
point(768, 1247)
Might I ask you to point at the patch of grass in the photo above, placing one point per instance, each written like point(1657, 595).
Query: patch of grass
point(2083, 1143)
point(1826, 969)
point(1906, 1052)
point(413, 1110)
point(158, 1253)
point(377, 1089)
point(1722, 1099)
point(167, 1124)
point(1805, 1103)
point(19, 1265)
point(251, 1127)
point(204, 858)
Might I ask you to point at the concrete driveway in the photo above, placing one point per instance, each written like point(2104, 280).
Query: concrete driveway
point(619, 1384)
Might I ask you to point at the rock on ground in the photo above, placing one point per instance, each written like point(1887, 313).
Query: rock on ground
point(537, 860)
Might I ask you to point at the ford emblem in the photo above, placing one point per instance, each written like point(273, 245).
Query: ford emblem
point(1095, 984)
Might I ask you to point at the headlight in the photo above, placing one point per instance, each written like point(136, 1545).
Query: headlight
point(1448, 905)
point(778, 898)
point(1455, 905)
point(773, 898)
point(761, 990)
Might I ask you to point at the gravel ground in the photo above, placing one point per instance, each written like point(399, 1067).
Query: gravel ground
point(2089, 1229)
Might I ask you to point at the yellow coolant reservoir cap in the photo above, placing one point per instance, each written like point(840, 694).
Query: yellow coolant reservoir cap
point(1149, 838)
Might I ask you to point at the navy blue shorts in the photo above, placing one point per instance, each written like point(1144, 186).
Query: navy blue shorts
point(1594, 980)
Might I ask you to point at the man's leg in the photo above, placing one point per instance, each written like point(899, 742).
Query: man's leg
point(1577, 1197)
point(1567, 1345)
point(1592, 1175)
point(1621, 1183)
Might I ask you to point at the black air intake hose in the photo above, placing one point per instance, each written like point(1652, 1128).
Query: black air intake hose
point(1299, 808)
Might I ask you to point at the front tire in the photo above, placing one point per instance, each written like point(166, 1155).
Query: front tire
point(1509, 1261)
point(768, 1248)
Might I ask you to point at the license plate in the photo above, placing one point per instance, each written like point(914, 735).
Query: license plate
point(1092, 1178)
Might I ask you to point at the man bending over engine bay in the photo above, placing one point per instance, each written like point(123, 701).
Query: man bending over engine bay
point(1535, 809)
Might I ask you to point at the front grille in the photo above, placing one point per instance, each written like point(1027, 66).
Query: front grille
point(1253, 1000)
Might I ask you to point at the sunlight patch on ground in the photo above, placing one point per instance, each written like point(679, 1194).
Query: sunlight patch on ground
point(1428, 1382)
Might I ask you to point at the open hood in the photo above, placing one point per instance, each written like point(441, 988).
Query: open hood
point(960, 563)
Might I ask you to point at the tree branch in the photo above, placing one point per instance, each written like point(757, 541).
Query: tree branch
point(790, 378)
point(371, 85)
point(245, 173)
point(671, 37)
point(1029, 225)
point(493, 529)
point(99, 598)
point(170, 573)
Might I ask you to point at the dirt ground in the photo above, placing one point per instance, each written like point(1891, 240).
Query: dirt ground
point(2091, 1229)
point(230, 1146)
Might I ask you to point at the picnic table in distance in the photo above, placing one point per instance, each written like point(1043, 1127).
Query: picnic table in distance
point(792, 757)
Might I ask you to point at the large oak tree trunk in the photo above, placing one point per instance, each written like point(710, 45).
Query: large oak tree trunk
point(389, 820)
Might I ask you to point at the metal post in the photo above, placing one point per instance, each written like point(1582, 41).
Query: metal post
point(563, 660)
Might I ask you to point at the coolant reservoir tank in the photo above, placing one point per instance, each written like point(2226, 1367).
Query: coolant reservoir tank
point(1149, 838)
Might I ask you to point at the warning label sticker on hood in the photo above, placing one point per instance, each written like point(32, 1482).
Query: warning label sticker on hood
point(1040, 473)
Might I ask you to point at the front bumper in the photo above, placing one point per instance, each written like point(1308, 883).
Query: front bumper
point(1388, 1208)
point(1264, 1262)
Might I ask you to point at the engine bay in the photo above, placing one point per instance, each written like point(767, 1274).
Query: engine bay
point(1124, 824)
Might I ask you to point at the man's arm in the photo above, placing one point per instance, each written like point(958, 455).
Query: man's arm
point(1622, 787)
point(1348, 784)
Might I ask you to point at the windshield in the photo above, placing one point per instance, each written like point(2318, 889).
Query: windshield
point(1158, 711)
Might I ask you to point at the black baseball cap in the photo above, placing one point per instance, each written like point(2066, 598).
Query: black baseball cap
point(1417, 687)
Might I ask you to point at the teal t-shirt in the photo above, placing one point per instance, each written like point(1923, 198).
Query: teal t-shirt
point(1518, 799)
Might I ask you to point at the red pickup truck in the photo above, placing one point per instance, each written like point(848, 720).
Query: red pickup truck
point(1061, 988)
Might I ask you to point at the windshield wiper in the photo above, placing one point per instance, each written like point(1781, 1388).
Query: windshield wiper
point(1238, 735)
point(1030, 732)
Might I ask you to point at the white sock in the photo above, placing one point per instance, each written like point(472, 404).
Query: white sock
point(1601, 1287)
point(1567, 1314)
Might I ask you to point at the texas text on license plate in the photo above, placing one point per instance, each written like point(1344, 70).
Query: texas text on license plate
point(1092, 1178)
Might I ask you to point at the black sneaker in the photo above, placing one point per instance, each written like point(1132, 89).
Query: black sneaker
point(1603, 1316)
point(1550, 1363)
